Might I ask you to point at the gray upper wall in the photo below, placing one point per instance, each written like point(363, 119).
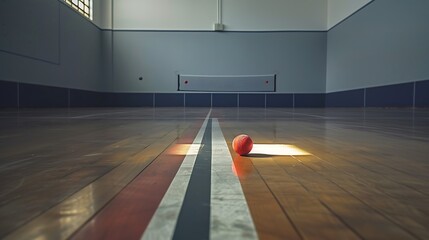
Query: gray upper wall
point(31, 29)
point(385, 43)
point(51, 44)
point(297, 58)
point(46, 42)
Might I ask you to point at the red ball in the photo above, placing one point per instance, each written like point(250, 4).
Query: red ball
point(242, 144)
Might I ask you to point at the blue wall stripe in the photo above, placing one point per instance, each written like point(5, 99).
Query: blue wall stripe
point(351, 98)
point(197, 99)
point(224, 100)
point(252, 100)
point(169, 99)
point(31, 95)
point(14, 94)
point(279, 100)
point(398, 95)
point(83, 98)
point(422, 94)
point(8, 94)
point(309, 100)
point(127, 99)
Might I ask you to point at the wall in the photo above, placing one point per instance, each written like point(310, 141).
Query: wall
point(164, 14)
point(47, 43)
point(52, 56)
point(237, 15)
point(102, 13)
point(298, 58)
point(105, 23)
point(381, 55)
point(68, 60)
point(187, 45)
point(256, 15)
point(338, 10)
point(30, 29)
point(386, 43)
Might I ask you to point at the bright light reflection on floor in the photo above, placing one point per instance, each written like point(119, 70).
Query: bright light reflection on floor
point(185, 149)
point(278, 150)
point(261, 149)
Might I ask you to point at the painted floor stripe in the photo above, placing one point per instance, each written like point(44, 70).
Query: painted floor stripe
point(230, 215)
point(163, 223)
point(194, 217)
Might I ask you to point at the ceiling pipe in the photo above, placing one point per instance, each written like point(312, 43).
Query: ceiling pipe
point(219, 11)
point(218, 26)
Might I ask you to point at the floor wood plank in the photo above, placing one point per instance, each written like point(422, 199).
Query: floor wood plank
point(79, 207)
point(366, 176)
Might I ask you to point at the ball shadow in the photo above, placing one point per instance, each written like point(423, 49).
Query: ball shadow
point(258, 155)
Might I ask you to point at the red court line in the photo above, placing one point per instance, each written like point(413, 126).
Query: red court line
point(129, 213)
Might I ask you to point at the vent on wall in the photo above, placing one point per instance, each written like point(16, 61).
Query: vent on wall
point(227, 83)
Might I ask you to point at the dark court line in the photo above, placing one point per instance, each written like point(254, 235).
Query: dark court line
point(194, 218)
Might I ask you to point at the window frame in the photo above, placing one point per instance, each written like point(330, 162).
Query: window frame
point(84, 7)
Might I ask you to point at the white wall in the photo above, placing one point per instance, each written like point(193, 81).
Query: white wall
point(164, 14)
point(102, 13)
point(341, 9)
point(237, 14)
point(249, 15)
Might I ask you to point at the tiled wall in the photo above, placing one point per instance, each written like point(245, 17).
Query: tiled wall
point(23, 95)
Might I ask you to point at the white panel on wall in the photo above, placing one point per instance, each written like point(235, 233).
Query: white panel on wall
point(341, 9)
point(228, 83)
point(250, 15)
point(165, 14)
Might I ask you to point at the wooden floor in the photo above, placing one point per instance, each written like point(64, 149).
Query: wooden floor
point(101, 173)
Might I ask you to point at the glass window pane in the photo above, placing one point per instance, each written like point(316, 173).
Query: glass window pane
point(82, 6)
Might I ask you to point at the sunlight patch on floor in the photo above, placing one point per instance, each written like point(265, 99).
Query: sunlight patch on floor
point(277, 150)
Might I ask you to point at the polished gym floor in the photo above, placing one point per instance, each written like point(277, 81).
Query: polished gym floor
point(160, 173)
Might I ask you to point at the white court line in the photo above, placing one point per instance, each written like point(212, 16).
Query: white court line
point(164, 220)
point(230, 216)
